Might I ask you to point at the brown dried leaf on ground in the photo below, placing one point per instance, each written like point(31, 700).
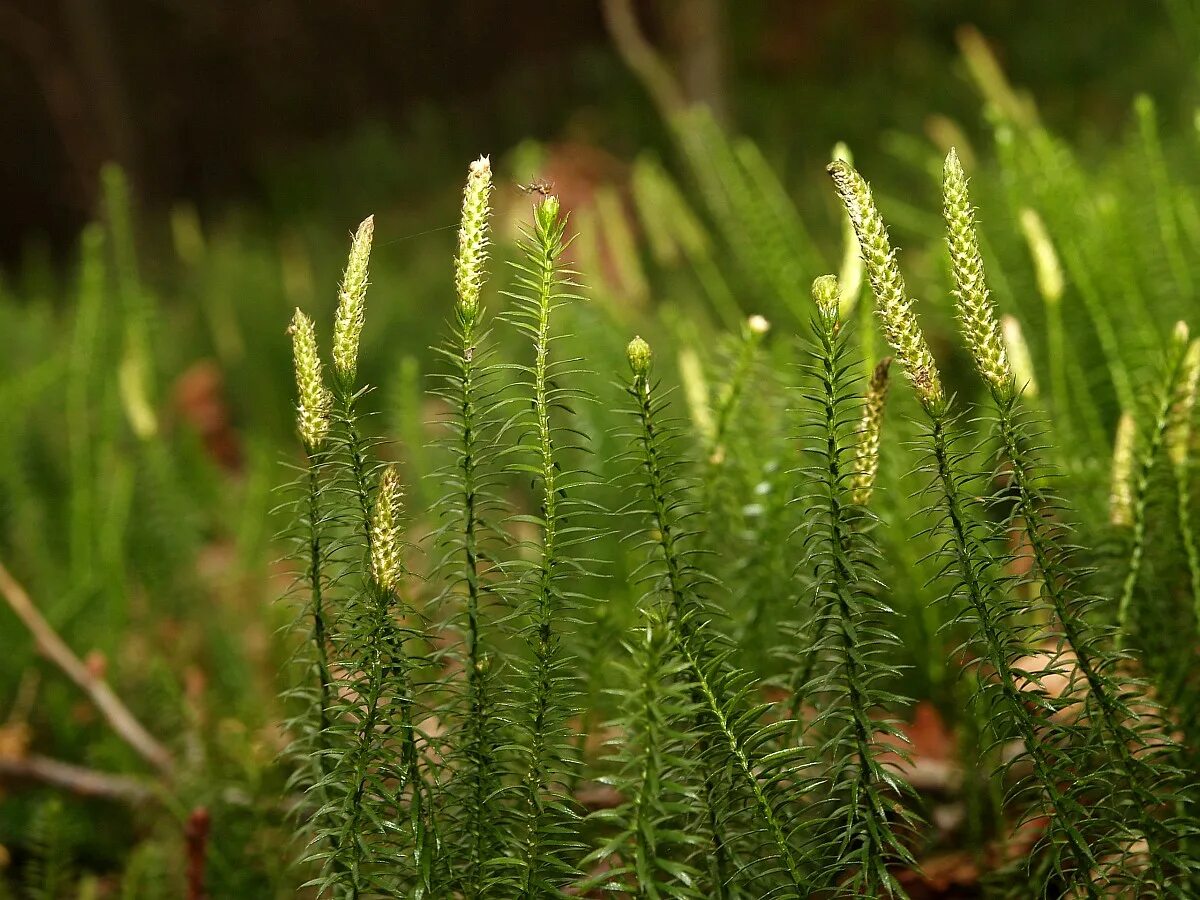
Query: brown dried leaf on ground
point(926, 760)
point(198, 398)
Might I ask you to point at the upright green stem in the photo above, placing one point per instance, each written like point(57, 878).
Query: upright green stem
point(358, 463)
point(544, 249)
point(842, 584)
point(476, 700)
point(721, 863)
point(970, 557)
point(316, 591)
point(1046, 556)
point(708, 695)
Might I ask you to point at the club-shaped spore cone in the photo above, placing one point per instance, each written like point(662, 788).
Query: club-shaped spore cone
point(1019, 357)
point(1120, 497)
point(981, 329)
point(386, 563)
point(1179, 431)
point(1047, 268)
point(893, 305)
point(312, 408)
point(470, 264)
point(866, 453)
point(352, 301)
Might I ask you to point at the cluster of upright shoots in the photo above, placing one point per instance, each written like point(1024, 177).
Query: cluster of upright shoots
point(440, 738)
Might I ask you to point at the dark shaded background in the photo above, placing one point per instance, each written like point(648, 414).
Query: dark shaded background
point(256, 102)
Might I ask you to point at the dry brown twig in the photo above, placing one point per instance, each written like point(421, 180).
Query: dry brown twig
point(641, 57)
point(54, 648)
point(76, 779)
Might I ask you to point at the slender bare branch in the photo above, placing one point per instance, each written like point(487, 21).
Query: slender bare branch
point(76, 779)
point(54, 648)
point(641, 57)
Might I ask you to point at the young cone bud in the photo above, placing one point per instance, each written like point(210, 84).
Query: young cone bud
point(758, 325)
point(312, 411)
point(827, 295)
point(471, 262)
point(638, 354)
point(386, 565)
point(547, 213)
point(893, 305)
point(352, 299)
point(866, 454)
point(975, 310)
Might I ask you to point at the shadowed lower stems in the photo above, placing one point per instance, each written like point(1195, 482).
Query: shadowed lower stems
point(971, 559)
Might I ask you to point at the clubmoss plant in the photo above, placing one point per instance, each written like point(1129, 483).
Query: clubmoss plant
point(313, 405)
point(137, 368)
point(754, 330)
point(546, 842)
point(312, 423)
point(981, 330)
point(86, 341)
point(448, 753)
point(469, 539)
point(1129, 789)
point(650, 850)
point(413, 795)
point(347, 332)
point(663, 476)
point(733, 739)
point(853, 637)
point(364, 701)
point(988, 607)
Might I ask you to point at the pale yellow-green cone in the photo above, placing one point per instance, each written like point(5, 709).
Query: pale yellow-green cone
point(312, 409)
point(696, 393)
point(893, 304)
point(387, 566)
point(1046, 266)
point(1179, 431)
point(866, 453)
point(1120, 498)
point(352, 301)
point(638, 354)
point(1018, 355)
point(975, 310)
point(1179, 422)
point(471, 262)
